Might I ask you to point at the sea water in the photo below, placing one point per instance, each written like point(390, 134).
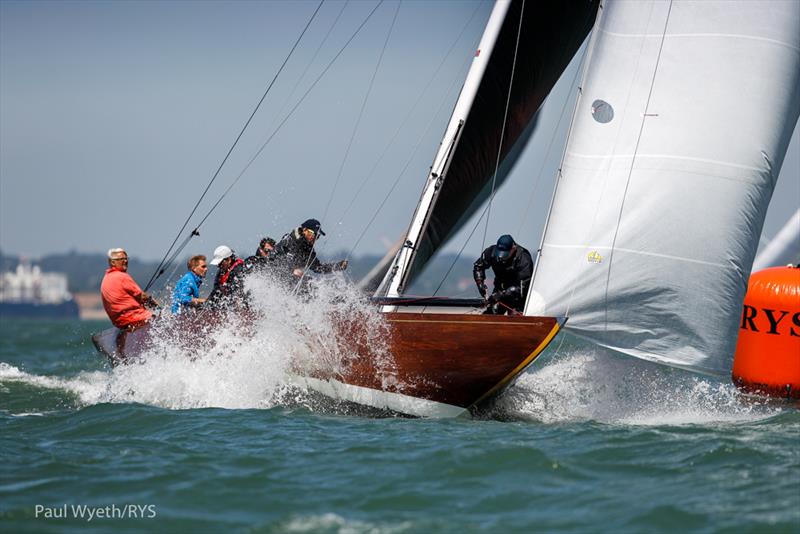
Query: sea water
point(584, 442)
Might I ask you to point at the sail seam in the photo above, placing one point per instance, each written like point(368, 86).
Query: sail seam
point(639, 252)
point(705, 35)
point(664, 156)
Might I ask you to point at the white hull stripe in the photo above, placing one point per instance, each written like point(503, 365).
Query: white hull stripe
point(381, 399)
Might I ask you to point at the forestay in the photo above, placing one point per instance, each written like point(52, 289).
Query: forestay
point(684, 119)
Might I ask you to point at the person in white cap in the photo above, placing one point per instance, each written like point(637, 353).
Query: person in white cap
point(229, 283)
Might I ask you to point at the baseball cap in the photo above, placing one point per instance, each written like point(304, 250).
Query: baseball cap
point(220, 253)
point(313, 224)
point(503, 248)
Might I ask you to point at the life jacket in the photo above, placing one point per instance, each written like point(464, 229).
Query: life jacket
point(224, 278)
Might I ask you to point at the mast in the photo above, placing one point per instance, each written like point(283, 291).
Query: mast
point(398, 273)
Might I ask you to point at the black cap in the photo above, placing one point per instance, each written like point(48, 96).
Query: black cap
point(503, 248)
point(313, 224)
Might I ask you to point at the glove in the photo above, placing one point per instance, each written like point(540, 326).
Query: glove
point(482, 289)
point(495, 297)
point(341, 266)
point(149, 302)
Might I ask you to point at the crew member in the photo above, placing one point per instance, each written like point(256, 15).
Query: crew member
point(513, 268)
point(187, 291)
point(265, 247)
point(124, 301)
point(295, 251)
point(229, 283)
point(260, 260)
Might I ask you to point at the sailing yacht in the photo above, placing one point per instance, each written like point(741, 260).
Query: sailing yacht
point(683, 118)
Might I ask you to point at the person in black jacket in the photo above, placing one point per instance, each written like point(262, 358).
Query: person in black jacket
point(229, 282)
point(259, 261)
point(294, 254)
point(513, 268)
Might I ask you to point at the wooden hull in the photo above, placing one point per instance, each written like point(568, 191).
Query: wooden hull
point(439, 364)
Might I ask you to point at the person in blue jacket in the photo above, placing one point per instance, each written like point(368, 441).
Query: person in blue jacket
point(187, 291)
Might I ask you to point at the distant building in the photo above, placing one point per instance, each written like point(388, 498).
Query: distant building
point(28, 292)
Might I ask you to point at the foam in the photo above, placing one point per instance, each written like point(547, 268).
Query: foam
point(330, 522)
point(88, 386)
point(248, 365)
point(594, 384)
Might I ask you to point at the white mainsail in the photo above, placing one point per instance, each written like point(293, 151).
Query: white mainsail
point(686, 111)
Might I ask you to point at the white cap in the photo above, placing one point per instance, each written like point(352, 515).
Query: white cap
point(220, 253)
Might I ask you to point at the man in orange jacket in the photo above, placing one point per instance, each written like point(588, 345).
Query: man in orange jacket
point(123, 300)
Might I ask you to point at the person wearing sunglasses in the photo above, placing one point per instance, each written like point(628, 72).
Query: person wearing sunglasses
point(295, 251)
point(124, 301)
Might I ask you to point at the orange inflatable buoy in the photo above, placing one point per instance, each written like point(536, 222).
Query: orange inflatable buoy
point(767, 356)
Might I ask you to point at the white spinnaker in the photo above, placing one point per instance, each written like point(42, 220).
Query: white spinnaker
point(784, 247)
point(657, 215)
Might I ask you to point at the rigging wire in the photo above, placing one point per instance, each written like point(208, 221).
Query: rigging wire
point(352, 138)
point(550, 144)
point(408, 116)
point(272, 135)
point(291, 112)
point(466, 241)
point(585, 62)
point(409, 160)
point(302, 77)
point(505, 120)
point(162, 266)
point(361, 111)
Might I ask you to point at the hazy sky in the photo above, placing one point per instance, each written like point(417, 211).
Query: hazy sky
point(115, 115)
